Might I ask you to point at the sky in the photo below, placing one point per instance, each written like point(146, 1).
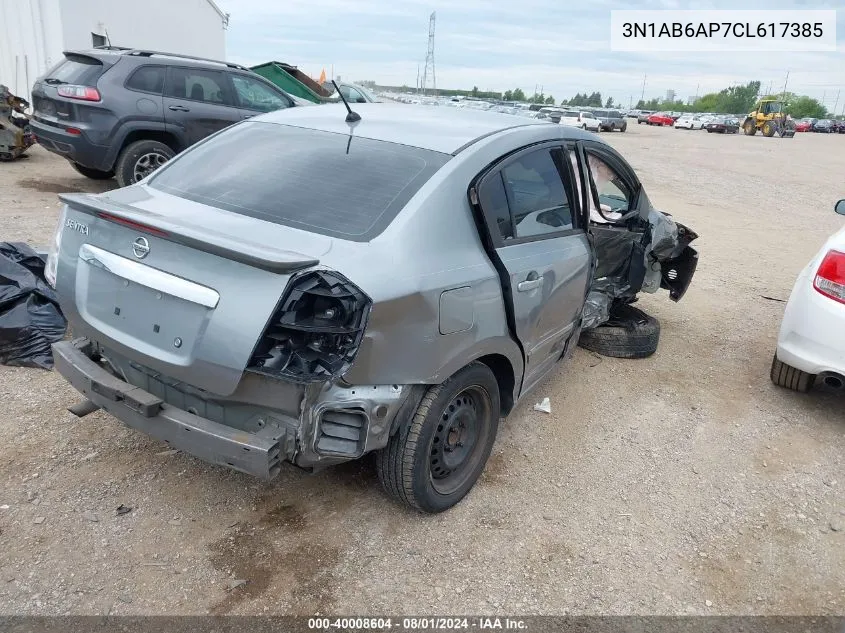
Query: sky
point(562, 46)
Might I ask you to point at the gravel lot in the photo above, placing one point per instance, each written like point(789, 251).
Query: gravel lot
point(683, 483)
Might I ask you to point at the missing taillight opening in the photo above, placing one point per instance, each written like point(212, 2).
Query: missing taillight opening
point(830, 277)
point(316, 331)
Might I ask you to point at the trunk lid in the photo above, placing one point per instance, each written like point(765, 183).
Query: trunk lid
point(141, 272)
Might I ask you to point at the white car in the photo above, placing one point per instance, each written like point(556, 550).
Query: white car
point(810, 344)
point(579, 118)
point(689, 123)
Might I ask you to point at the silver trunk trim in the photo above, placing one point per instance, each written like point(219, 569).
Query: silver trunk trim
point(149, 277)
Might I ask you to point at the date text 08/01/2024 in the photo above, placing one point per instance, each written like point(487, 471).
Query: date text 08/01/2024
point(416, 624)
point(776, 30)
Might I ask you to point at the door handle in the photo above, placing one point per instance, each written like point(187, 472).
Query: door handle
point(532, 282)
point(178, 108)
point(247, 116)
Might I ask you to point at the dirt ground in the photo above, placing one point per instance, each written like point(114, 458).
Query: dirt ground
point(683, 483)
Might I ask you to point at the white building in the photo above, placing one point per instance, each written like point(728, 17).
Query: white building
point(670, 95)
point(34, 33)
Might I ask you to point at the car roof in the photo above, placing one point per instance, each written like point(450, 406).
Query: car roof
point(445, 130)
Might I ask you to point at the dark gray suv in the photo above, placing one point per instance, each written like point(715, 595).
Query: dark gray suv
point(124, 112)
point(610, 120)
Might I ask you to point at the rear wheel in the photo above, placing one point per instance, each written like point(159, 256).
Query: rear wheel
point(431, 464)
point(784, 375)
point(630, 333)
point(749, 127)
point(624, 127)
point(93, 174)
point(584, 126)
point(139, 159)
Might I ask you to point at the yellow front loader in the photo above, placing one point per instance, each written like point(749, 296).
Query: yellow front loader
point(769, 116)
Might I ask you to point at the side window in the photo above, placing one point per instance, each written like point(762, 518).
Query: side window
point(611, 198)
point(538, 199)
point(254, 95)
point(147, 79)
point(196, 84)
point(353, 96)
point(494, 203)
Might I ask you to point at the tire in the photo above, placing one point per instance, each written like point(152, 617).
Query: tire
point(584, 127)
point(413, 468)
point(624, 127)
point(130, 163)
point(784, 375)
point(769, 129)
point(709, 131)
point(93, 174)
point(630, 333)
point(749, 127)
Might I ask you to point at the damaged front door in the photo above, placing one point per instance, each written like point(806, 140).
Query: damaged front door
point(540, 247)
point(617, 223)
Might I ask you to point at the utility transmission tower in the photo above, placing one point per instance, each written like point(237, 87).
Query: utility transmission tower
point(428, 72)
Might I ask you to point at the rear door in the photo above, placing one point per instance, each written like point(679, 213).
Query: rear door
point(541, 249)
point(197, 103)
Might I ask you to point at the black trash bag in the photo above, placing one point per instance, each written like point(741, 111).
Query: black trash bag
point(30, 316)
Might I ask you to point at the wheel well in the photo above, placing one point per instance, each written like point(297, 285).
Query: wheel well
point(502, 370)
point(152, 135)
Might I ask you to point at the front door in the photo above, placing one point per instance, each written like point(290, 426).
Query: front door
point(197, 103)
point(541, 249)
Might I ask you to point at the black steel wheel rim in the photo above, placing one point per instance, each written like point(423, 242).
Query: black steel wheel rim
point(459, 440)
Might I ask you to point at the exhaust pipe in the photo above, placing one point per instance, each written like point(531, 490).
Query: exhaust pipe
point(832, 380)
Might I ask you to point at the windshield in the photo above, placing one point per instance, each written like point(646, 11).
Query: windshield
point(327, 183)
point(369, 96)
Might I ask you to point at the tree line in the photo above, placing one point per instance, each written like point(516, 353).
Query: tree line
point(740, 100)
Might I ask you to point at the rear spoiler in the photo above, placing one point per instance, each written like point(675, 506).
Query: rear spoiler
point(200, 238)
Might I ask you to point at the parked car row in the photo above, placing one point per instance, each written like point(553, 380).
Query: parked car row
point(823, 126)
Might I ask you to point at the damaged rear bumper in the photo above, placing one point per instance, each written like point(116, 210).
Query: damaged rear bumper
point(264, 423)
point(219, 444)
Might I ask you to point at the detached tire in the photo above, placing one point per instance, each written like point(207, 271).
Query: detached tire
point(93, 174)
point(784, 375)
point(139, 159)
point(630, 333)
point(432, 463)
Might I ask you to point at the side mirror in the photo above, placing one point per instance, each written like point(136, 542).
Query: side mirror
point(840, 207)
point(361, 100)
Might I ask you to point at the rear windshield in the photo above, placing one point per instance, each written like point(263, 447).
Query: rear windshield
point(333, 184)
point(77, 69)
